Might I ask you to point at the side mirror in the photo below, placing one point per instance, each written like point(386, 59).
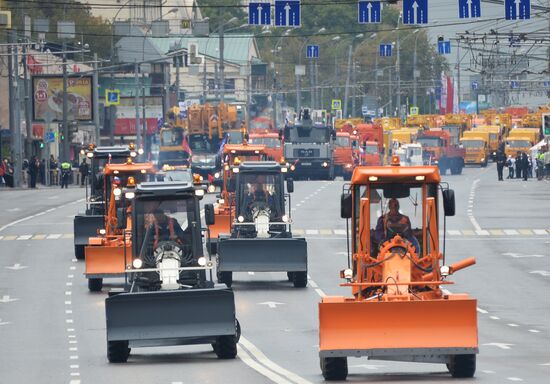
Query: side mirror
point(290, 185)
point(449, 202)
point(345, 206)
point(121, 218)
point(209, 217)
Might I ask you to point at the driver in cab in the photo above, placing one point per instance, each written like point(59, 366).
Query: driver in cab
point(257, 194)
point(166, 228)
point(394, 223)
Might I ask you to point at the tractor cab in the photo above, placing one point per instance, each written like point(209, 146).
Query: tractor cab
point(170, 298)
point(396, 271)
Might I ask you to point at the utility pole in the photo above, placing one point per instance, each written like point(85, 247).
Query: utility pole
point(65, 144)
point(143, 133)
point(346, 92)
point(136, 103)
point(459, 93)
point(28, 104)
point(398, 75)
point(414, 75)
point(204, 84)
point(353, 90)
point(248, 97)
point(298, 92)
point(390, 108)
point(96, 101)
point(312, 85)
point(15, 121)
point(222, 65)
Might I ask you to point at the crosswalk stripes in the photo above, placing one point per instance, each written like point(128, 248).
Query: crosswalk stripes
point(324, 232)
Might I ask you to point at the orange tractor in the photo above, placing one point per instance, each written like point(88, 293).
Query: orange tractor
point(233, 154)
point(398, 309)
point(106, 252)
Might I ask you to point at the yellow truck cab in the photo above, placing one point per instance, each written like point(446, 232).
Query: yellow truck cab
point(495, 137)
point(402, 136)
point(520, 140)
point(476, 147)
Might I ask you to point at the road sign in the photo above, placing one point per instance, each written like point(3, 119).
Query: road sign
point(259, 13)
point(415, 11)
point(414, 111)
point(514, 84)
point(49, 137)
point(469, 9)
point(475, 85)
point(517, 9)
point(312, 52)
point(369, 12)
point(336, 104)
point(444, 47)
point(385, 50)
point(547, 84)
point(365, 110)
point(112, 97)
point(287, 13)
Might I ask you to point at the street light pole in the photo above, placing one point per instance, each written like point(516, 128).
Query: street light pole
point(221, 65)
point(415, 73)
point(398, 68)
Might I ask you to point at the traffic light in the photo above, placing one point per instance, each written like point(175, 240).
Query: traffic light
point(41, 145)
point(546, 124)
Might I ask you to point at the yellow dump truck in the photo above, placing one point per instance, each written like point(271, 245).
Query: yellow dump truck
point(476, 147)
point(520, 140)
point(495, 137)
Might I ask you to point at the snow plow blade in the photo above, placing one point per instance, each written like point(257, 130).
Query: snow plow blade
point(104, 261)
point(86, 227)
point(427, 330)
point(178, 317)
point(221, 226)
point(262, 255)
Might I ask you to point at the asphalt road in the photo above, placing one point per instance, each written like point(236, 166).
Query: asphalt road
point(52, 330)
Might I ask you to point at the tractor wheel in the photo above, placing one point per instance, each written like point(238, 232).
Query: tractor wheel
point(237, 330)
point(95, 284)
point(225, 347)
point(118, 351)
point(79, 252)
point(299, 279)
point(462, 366)
point(225, 278)
point(334, 368)
point(290, 276)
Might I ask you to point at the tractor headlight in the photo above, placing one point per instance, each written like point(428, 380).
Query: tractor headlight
point(102, 231)
point(202, 261)
point(325, 164)
point(445, 270)
point(221, 201)
point(141, 151)
point(211, 189)
point(284, 169)
point(292, 167)
point(137, 263)
point(240, 219)
point(90, 155)
point(117, 192)
point(129, 195)
point(133, 153)
point(235, 170)
point(482, 159)
point(199, 192)
point(348, 166)
point(348, 274)
point(285, 219)
point(217, 175)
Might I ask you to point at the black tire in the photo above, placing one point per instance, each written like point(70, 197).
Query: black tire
point(334, 368)
point(462, 366)
point(79, 252)
point(118, 351)
point(225, 347)
point(225, 278)
point(299, 279)
point(290, 276)
point(95, 284)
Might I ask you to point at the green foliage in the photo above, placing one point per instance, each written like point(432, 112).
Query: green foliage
point(221, 11)
point(91, 30)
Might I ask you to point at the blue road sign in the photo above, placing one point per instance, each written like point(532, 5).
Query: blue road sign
point(112, 97)
point(385, 50)
point(287, 13)
point(469, 9)
point(514, 84)
point(50, 137)
point(444, 47)
point(259, 13)
point(312, 52)
point(517, 9)
point(369, 12)
point(547, 84)
point(475, 85)
point(415, 11)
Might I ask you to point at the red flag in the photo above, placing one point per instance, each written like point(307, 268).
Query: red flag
point(186, 147)
point(450, 95)
point(33, 65)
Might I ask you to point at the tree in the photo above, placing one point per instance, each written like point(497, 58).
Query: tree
point(220, 11)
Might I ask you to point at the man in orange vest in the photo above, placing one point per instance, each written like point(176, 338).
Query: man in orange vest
point(166, 228)
point(394, 223)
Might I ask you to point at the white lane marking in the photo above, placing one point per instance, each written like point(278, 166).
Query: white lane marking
point(71, 336)
point(68, 293)
point(534, 331)
point(70, 330)
point(320, 292)
point(72, 268)
point(542, 273)
point(512, 325)
point(73, 357)
point(312, 231)
point(74, 366)
point(68, 283)
point(494, 317)
point(340, 232)
point(470, 214)
point(70, 276)
point(370, 367)
point(511, 232)
point(73, 349)
point(69, 321)
point(24, 237)
point(313, 284)
point(74, 382)
point(68, 303)
point(254, 351)
point(73, 342)
point(248, 360)
point(13, 209)
point(540, 232)
point(75, 374)
point(7, 299)
point(271, 304)
point(298, 205)
point(520, 255)
point(251, 273)
point(454, 232)
point(54, 236)
point(515, 379)
point(499, 345)
point(486, 371)
point(482, 310)
point(483, 232)
point(68, 311)
point(4, 322)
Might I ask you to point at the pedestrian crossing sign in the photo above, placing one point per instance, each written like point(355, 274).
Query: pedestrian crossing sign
point(414, 111)
point(112, 97)
point(336, 104)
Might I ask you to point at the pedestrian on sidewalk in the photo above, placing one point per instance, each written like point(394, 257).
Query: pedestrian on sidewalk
point(65, 173)
point(33, 169)
point(511, 164)
point(518, 165)
point(43, 172)
point(53, 164)
point(8, 173)
point(524, 165)
point(547, 164)
point(501, 160)
point(2, 173)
